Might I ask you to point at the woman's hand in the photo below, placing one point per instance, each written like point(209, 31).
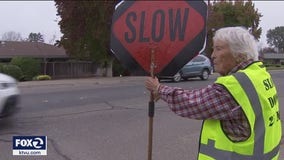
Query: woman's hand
point(152, 84)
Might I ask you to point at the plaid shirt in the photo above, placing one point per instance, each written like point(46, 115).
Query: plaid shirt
point(211, 102)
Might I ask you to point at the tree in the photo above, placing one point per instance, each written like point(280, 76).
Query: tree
point(12, 36)
point(86, 29)
point(35, 37)
point(232, 13)
point(275, 37)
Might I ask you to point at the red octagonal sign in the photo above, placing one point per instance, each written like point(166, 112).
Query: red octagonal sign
point(174, 30)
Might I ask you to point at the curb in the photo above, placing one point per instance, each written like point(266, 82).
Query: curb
point(78, 81)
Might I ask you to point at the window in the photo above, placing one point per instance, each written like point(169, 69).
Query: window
point(198, 59)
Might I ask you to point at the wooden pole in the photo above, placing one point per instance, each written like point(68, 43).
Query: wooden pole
point(151, 108)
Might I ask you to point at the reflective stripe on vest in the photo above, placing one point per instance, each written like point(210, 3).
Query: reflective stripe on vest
point(259, 131)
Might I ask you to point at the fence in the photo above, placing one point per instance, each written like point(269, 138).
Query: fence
point(59, 70)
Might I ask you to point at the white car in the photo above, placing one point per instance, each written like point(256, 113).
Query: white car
point(9, 95)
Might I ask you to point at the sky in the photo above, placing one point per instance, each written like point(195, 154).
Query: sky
point(25, 17)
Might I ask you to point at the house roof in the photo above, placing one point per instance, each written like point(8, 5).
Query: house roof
point(10, 49)
point(273, 56)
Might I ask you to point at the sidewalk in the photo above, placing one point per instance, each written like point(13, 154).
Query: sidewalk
point(90, 80)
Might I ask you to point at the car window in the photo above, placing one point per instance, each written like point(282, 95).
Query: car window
point(198, 59)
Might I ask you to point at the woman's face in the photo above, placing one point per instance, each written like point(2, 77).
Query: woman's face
point(222, 58)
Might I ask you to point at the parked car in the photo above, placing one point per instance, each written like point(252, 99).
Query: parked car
point(9, 95)
point(199, 66)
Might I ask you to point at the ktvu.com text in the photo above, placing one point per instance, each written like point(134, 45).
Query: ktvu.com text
point(29, 145)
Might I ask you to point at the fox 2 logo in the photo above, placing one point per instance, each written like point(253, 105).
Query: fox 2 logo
point(29, 142)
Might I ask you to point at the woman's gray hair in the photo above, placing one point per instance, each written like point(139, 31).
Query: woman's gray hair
point(241, 43)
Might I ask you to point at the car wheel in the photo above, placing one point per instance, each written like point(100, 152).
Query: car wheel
point(205, 74)
point(177, 77)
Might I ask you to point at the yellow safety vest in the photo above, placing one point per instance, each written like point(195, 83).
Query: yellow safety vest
point(254, 90)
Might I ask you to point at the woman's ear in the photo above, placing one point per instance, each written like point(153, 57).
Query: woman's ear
point(240, 57)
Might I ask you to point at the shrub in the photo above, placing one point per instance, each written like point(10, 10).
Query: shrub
point(42, 77)
point(12, 70)
point(30, 67)
point(1, 67)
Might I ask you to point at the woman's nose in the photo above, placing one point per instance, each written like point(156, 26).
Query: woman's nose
point(213, 55)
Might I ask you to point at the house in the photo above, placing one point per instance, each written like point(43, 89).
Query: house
point(273, 58)
point(46, 52)
point(54, 59)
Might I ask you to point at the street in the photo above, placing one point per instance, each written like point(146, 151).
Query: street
point(104, 119)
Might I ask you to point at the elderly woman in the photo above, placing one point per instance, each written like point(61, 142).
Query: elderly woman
point(240, 109)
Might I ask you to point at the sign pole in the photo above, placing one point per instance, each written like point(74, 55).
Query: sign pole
point(151, 107)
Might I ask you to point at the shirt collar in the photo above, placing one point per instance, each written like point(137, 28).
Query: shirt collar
point(241, 65)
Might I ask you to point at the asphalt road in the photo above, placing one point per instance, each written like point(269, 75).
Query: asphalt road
point(103, 119)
